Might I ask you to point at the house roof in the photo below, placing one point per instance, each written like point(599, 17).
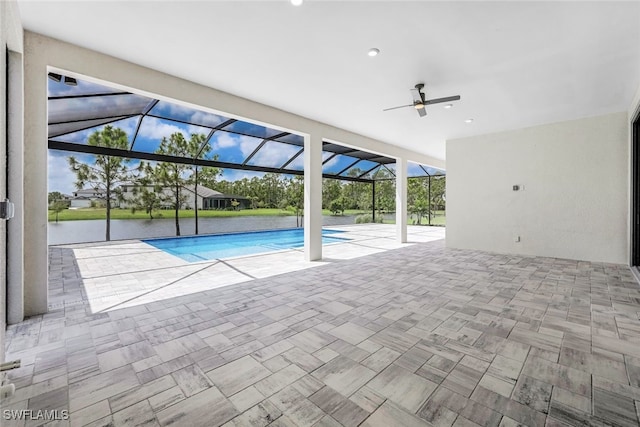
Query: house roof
point(203, 191)
point(228, 196)
point(88, 192)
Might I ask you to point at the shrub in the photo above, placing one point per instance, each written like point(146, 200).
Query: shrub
point(336, 206)
point(367, 219)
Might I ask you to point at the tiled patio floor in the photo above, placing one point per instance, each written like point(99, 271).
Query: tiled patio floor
point(378, 334)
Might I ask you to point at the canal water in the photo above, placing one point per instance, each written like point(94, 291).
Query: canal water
point(94, 230)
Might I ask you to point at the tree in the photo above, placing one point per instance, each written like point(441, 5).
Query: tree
point(107, 173)
point(235, 204)
point(254, 201)
point(272, 189)
point(418, 197)
point(364, 197)
point(420, 208)
point(174, 176)
point(208, 176)
point(55, 196)
point(58, 206)
point(385, 191)
point(57, 202)
point(148, 200)
point(147, 193)
point(438, 187)
point(337, 206)
point(331, 190)
point(294, 198)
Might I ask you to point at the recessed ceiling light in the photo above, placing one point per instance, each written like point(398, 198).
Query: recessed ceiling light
point(373, 51)
point(296, 2)
point(448, 106)
point(469, 121)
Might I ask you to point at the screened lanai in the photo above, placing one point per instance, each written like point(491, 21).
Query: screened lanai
point(77, 108)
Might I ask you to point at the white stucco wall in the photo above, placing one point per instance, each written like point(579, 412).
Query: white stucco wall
point(10, 256)
point(575, 198)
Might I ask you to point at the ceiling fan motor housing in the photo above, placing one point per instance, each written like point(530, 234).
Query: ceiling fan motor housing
point(420, 101)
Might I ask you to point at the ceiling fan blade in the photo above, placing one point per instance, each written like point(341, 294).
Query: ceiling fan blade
point(395, 108)
point(417, 96)
point(422, 112)
point(439, 100)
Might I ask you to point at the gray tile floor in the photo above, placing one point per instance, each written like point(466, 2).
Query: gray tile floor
point(379, 334)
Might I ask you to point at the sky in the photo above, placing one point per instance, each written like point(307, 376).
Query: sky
point(235, 143)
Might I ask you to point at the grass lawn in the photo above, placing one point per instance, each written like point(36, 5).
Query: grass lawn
point(438, 219)
point(100, 213)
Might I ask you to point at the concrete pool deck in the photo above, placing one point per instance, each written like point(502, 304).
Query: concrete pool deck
point(126, 273)
point(378, 334)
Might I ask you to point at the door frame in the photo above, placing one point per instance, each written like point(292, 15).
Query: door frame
point(635, 190)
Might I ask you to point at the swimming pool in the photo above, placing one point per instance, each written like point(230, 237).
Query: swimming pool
point(203, 248)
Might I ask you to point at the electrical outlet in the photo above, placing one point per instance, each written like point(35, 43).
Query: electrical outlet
point(517, 239)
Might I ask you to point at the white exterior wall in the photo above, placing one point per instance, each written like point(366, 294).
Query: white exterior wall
point(188, 195)
point(11, 236)
point(80, 203)
point(576, 187)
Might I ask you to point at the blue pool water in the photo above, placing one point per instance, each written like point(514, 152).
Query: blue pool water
point(202, 248)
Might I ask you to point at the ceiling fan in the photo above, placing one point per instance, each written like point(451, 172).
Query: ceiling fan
point(419, 101)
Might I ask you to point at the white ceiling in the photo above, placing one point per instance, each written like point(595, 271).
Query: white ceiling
point(515, 64)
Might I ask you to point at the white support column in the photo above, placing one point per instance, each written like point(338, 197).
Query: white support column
point(36, 250)
point(401, 200)
point(313, 197)
point(15, 192)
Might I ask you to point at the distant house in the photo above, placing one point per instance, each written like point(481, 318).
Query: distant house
point(206, 198)
point(212, 199)
point(86, 197)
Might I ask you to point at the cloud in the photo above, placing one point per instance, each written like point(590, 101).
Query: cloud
point(187, 114)
point(297, 163)
point(60, 178)
point(246, 144)
point(207, 118)
point(330, 162)
point(223, 140)
point(274, 154)
point(154, 128)
point(235, 175)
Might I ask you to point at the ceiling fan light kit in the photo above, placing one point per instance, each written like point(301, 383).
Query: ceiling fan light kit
point(420, 101)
